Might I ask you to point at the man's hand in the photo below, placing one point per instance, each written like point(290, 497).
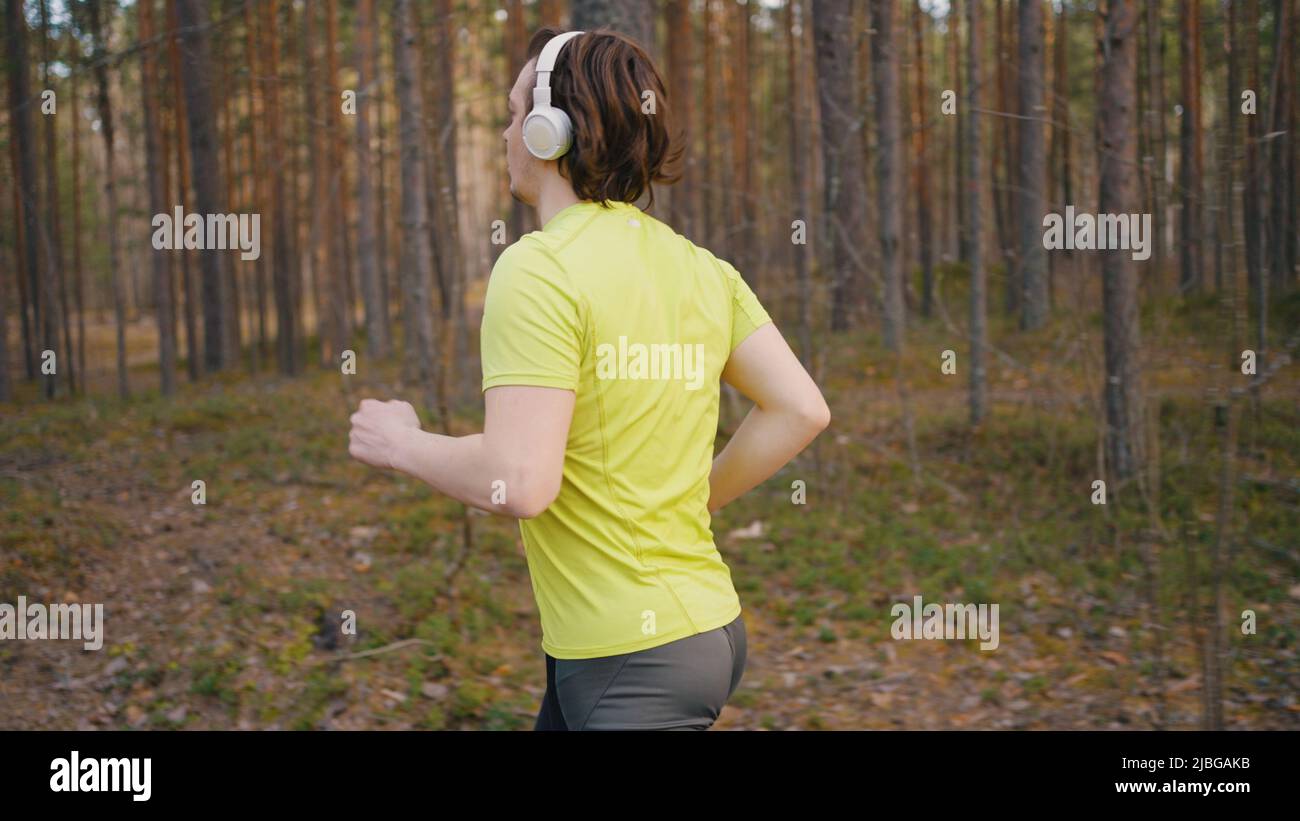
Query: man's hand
point(377, 428)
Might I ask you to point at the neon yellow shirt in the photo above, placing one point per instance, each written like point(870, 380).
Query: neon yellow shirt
point(638, 321)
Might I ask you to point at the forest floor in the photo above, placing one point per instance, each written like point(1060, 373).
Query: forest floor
point(225, 615)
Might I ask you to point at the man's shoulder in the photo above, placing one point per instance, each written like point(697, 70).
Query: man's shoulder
point(530, 253)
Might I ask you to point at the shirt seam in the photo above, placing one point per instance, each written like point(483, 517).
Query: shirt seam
point(627, 521)
point(552, 381)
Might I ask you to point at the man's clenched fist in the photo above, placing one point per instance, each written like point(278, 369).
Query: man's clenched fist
point(377, 429)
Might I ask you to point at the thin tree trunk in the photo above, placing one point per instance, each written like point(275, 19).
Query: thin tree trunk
point(925, 239)
point(110, 194)
point(1061, 136)
point(285, 279)
point(959, 135)
point(316, 187)
point(20, 107)
point(1118, 158)
point(1031, 205)
point(679, 65)
point(231, 315)
point(1250, 205)
point(1156, 136)
point(255, 195)
point(372, 298)
point(339, 291)
point(889, 165)
point(516, 46)
point(799, 182)
point(77, 272)
point(978, 276)
point(56, 299)
point(1280, 90)
point(382, 234)
point(1001, 156)
point(842, 156)
point(149, 92)
point(193, 349)
point(708, 197)
point(196, 71)
point(417, 262)
point(1190, 271)
point(6, 384)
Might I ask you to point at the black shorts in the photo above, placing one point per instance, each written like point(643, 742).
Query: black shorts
point(681, 685)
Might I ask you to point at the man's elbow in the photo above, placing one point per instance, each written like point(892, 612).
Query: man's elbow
point(816, 416)
point(527, 498)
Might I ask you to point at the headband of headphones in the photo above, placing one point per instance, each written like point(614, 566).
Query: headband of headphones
point(546, 64)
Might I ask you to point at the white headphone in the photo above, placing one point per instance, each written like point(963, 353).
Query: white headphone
point(548, 131)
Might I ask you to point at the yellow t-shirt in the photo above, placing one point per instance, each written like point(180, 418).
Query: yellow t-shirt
point(613, 304)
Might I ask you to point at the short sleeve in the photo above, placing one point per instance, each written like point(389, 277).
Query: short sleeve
point(531, 331)
point(747, 313)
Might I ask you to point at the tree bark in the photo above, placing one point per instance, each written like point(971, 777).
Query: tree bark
point(1031, 205)
point(339, 302)
point(372, 297)
point(21, 104)
point(1157, 139)
point(196, 71)
point(1279, 149)
point(193, 348)
point(56, 298)
point(920, 130)
point(416, 273)
point(679, 65)
point(842, 158)
point(1118, 158)
point(799, 182)
point(889, 165)
point(149, 93)
point(978, 276)
point(1190, 173)
point(110, 194)
point(285, 271)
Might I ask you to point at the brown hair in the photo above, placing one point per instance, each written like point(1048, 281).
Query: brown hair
point(618, 150)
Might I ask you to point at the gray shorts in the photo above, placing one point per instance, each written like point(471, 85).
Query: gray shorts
point(681, 685)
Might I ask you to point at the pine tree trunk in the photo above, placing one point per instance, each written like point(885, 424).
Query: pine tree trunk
point(149, 93)
point(889, 165)
point(924, 111)
point(372, 298)
point(193, 349)
point(1190, 272)
point(1156, 136)
point(77, 272)
point(417, 262)
point(799, 182)
point(1117, 195)
point(21, 106)
point(1031, 205)
point(680, 93)
point(1278, 176)
point(285, 273)
point(978, 276)
point(842, 157)
point(105, 108)
point(56, 300)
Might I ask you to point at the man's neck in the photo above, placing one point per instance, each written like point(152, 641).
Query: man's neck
point(555, 195)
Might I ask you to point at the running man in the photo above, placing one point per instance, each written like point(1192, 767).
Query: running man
point(604, 341)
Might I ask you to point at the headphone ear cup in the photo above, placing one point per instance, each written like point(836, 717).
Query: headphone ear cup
point(564, 129)
point(548, 133)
